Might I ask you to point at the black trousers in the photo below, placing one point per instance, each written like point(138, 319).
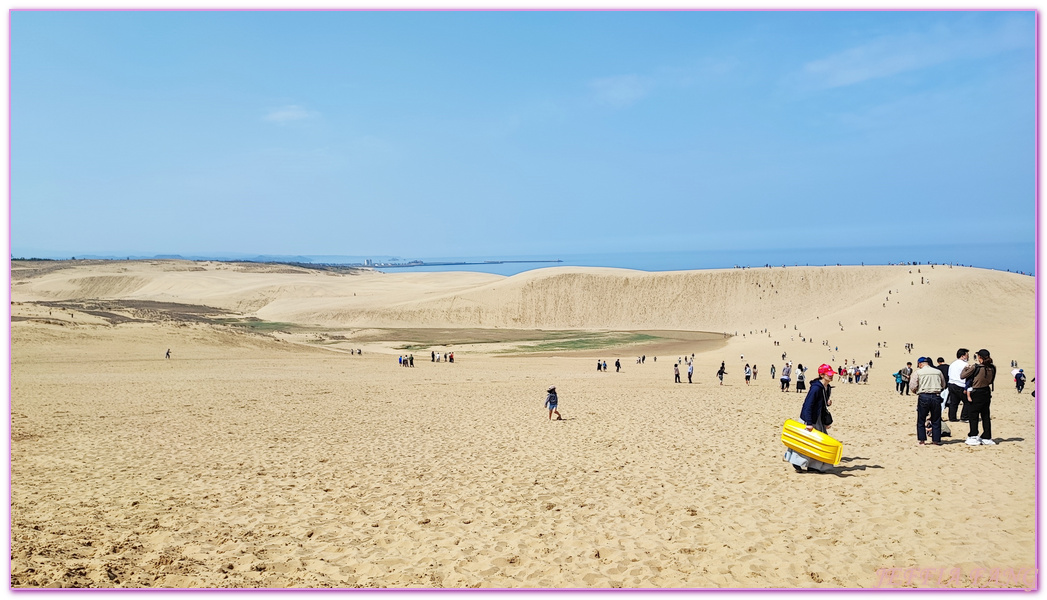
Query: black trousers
point(929, 405)
point(956, 395)
point(979, 410)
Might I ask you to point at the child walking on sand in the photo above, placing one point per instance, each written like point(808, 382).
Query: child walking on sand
point(550, 403)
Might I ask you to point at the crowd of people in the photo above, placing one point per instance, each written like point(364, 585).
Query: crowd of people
point(407, 360)
point(435, 356)
point(964, 386)
point(962, 391)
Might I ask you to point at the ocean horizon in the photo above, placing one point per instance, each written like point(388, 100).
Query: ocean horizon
point(1016, 258)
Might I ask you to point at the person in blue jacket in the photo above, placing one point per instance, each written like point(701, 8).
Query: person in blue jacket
point(551, 401)
point(815, 415)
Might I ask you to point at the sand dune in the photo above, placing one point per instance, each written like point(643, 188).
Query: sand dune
point(563, 297)
point(250, 461)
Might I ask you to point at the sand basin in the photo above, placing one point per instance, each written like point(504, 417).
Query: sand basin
point(264, 455)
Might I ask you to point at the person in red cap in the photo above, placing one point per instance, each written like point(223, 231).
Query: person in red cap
point(815, 415)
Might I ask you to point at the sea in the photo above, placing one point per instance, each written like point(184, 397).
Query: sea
point(1016, 257)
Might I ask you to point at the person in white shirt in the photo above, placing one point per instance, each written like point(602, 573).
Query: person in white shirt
point(957, 392)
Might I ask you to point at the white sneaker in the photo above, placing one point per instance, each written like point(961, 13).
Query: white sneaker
point(988, 442)
point(974, 441)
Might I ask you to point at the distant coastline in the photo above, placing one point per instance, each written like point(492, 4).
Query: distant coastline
point(1016, 257)
point(421, 263)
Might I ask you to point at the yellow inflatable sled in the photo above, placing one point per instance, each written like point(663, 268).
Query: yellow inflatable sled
point(812, 444)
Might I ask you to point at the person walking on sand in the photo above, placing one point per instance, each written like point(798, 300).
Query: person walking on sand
point(801, 379)
point(928, 384)
point(754, 372)
point(748, 373)
point(690, 371)
point(721, 373)
point(1019, 380)
point(773, 368)
point(983, 375)
point(676, 369)
point(550, 402)
point(815, 415)
point(786, 377)
point(617, 365)
point(410, 359)
point(168, 355)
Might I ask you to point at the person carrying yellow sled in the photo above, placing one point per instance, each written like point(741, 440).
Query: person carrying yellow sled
point(815, 415)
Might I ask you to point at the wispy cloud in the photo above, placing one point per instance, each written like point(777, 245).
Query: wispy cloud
point(292, 112)
point(621, 91)
point(895, 54)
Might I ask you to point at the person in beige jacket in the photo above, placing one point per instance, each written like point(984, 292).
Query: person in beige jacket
point(927, 383)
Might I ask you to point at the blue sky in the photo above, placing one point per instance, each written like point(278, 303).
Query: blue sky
point(508, 133)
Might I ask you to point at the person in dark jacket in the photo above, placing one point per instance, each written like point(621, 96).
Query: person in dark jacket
point(815, 415)
point(944, 368)
point(983, 374)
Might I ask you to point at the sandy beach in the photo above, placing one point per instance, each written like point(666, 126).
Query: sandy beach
point(264, 454)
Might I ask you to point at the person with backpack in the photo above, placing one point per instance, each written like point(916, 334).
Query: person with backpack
point(1019, 380)
point(982, 375)
point(551, 402)
point(801, 379)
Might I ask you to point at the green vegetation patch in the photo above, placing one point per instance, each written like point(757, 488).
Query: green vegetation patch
point(587, 341)
point(257, 325)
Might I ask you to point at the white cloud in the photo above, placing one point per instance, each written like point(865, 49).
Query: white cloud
point(292, 112)
point(621, 91)
point(895, 54)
